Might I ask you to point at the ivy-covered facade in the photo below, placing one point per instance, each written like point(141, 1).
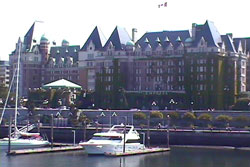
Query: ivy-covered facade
point(197, 69)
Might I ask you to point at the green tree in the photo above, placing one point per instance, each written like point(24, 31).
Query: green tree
point(205, 117)
point(139, 116)
point(224, 118)
point(174, 115)
point(189, 116)
point(156, 114)
point(3, 94)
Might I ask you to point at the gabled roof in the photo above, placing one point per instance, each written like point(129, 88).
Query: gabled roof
point(97, 38)
point(244, 41)
point(166, 37)
point(228, 41)
point(209, 32)
point(28, 38)
point(119, 38)
point(62, 83)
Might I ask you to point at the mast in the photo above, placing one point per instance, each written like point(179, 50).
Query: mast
point(17, 82)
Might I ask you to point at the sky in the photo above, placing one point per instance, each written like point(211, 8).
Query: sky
point(74, 20)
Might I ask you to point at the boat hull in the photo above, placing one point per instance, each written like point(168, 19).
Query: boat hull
point(22, 144)
point(111, 148)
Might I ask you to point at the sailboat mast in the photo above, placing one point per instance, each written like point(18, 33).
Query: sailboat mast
point(17, 81)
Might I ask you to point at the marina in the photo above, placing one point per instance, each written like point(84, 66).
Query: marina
point(188, 157)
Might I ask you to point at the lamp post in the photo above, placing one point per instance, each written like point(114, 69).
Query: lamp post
point(168, 119)
point(192, 103)
point(171, 102)
point(226, 90)
point(148, 132)
point(74, 135)
point(52, 131)
point(153, 105)
point(176, 103)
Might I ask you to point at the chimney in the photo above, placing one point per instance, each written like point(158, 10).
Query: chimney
point(134, 30)
point(193, 31)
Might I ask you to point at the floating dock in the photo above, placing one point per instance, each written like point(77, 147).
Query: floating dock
point(146, 151)
point(45, 150)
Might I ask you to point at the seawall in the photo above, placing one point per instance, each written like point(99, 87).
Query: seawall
point(157, 136)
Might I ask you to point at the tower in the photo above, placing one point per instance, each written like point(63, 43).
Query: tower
point(44, 48)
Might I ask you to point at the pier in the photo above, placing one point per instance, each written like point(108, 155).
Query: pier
point(63, 148)
point(145, 151)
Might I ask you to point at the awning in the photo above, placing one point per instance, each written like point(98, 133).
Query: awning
point(62, 83)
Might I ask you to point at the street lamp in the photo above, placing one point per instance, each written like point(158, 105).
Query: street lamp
point(226, 90)
point(153, 105)
point(171, 102)
point(192, 103)
point(168, 119)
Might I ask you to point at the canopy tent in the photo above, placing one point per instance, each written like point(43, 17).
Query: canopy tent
point(62, 83)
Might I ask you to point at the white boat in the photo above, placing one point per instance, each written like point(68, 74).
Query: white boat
point(20, 139)
point(23, 141)
point(113, 140)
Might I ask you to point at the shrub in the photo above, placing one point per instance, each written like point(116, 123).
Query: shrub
point(174, 115)
point(224, 118)
point(242, 104)
point(156, 114)
point(205, 117)
point(189, 116)
point(139, 116)
point(241, 119)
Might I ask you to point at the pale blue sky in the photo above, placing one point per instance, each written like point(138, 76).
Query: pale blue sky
point(74, 20)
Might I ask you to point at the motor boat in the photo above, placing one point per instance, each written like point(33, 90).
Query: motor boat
point(114, 140)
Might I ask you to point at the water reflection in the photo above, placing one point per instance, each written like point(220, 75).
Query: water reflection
point(177, 157)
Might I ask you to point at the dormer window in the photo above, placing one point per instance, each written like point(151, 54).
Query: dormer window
point(90, 48)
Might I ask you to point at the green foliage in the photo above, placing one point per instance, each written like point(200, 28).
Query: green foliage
point(189, 116)
point(205, 117)
point(224, 118)
point(156, 114)
point(244, 95)
point(241, 118)
point(140, 116)
point(3, 91)
point(3, 94)
point(174, 115)
point(242, 104)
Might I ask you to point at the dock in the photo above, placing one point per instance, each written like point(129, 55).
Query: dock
point(145, 151)
point(45, 150)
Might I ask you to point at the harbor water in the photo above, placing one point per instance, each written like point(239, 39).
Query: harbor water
point(177, 157)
